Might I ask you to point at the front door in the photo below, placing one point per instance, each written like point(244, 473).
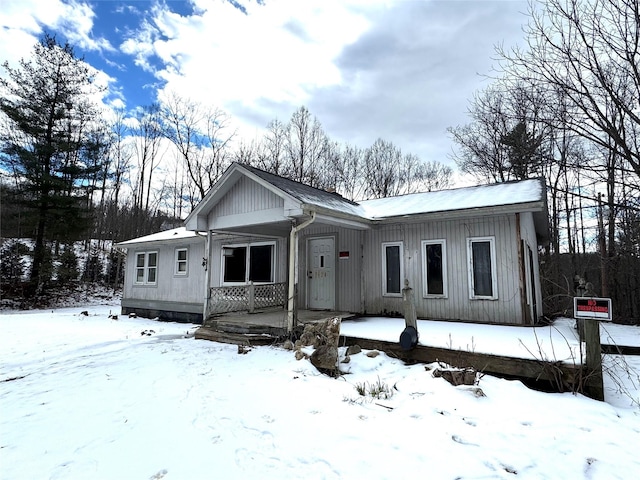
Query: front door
point(321, 273)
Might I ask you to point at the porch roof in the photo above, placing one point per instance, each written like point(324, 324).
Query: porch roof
point(172, 235)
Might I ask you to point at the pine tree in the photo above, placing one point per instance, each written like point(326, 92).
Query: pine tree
point(67, 270)
point(50, 111)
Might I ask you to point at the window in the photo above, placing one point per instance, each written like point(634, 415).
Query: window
point(181, 256)
point(146, 268)
point(248, 263)
point(434, 268)
point(392, 269)
point(482, 268)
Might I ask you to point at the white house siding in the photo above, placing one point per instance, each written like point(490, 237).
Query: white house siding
point(457, 306)
point(246, 196)
point(171, 293)
point(348, 270)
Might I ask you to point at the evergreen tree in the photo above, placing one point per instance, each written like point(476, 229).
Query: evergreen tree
point(93, 267)
point(12, 266)
point(47, 102)
point(68, 267)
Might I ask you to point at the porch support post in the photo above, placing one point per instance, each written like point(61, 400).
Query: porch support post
point(206, 263)
point(293, 270)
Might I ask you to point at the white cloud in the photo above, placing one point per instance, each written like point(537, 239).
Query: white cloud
point(400, 70)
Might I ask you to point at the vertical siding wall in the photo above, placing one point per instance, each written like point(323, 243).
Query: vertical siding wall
point(457, 306)
point(246, 196)
point(170, 287)
point(348, 270)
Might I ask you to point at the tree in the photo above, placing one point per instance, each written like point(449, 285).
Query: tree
point(589, 51)
point(304, 147)
point(48, 106)
point(522, 151)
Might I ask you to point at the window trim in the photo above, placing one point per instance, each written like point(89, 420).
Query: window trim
point(494, 280)
point(399, 244)
point(248, 262)
point(146, 268)
point(425, 280)
point(177, 262)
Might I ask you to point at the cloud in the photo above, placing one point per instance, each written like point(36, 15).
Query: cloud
point(403, 71)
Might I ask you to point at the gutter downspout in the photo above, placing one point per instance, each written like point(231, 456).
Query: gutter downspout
point(293, 269)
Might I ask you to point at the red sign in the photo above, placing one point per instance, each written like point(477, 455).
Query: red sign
point(593, 308)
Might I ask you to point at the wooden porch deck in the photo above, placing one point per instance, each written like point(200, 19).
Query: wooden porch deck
point(260, 328)
point(269, 327)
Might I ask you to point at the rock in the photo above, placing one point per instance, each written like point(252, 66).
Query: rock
point(457, 376)
point(288, 345)
point(373, 354)
point(353, 349)
point(322, 333)
point(346, 359)
point(300, 355)
point(325, 357)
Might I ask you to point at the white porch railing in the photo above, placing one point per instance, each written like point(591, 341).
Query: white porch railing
point(246, 297)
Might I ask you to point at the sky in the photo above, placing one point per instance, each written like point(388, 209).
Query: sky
point(403, 70)
point(90, 396)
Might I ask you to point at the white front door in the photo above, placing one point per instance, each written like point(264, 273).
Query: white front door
point(321, 273)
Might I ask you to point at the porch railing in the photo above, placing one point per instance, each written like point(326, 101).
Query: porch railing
point(246, 297)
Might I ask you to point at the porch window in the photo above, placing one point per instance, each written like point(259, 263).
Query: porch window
point(246, 263)
point(434, 268)
point(392, 269)
point(481, 252)
point(146, 268)
point(181, 257)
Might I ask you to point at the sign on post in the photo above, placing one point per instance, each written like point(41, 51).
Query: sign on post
point(591, 308)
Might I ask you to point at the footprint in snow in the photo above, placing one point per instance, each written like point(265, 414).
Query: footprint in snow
point(159, 475)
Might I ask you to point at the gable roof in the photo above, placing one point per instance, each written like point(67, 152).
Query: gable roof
point(300, 199)
point(494, 195)
point(308, 195)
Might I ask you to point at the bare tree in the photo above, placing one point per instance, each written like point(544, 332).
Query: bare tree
point(481, 151)
point(271, 156)
point(304, 147)
point(148, 135)
point(201, 137)
point(590, 51)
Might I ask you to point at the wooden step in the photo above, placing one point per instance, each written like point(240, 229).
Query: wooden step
point(206, 333)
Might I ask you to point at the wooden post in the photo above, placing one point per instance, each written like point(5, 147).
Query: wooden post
point(410, 317)
point(594, 384)
point(252, 297)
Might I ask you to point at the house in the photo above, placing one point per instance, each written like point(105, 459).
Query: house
point(258, 240)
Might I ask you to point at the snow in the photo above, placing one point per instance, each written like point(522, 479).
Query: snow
point(508, 193)
point(180, 233)
point(98, 398)
point(555, 343)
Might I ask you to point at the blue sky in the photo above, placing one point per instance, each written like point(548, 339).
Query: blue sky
point(399, 70)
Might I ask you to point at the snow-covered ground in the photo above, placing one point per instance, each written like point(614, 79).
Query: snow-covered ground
point(89, 397)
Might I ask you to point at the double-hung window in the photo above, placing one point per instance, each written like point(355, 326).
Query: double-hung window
point(392, 269)
point(246, 263)
point(434, 268)
point(481, 253)
point(181, 261)
point(146, 268)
